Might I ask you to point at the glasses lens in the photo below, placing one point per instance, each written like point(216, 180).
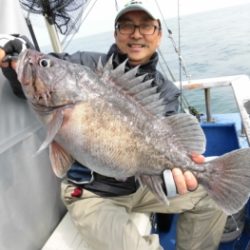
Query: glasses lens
point(147, 29)
point(129, 28)
point(126, 28)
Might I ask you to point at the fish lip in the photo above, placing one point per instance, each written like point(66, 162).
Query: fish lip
point(20, 59)
point(52, 106)
point(44, 109)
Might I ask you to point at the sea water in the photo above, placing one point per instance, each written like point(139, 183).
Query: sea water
point(212, 44)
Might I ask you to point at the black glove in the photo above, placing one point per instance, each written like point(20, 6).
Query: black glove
point(13, 45)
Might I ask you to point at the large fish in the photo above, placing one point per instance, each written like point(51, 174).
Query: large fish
point(113, 123)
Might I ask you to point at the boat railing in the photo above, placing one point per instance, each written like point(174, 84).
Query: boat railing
point(240, 85)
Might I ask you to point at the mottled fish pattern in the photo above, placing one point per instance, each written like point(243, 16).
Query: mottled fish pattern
point(112, 122)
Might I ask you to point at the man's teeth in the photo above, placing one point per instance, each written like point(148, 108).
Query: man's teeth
point(136, 46)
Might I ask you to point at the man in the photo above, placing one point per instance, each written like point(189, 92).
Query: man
point(99, 205)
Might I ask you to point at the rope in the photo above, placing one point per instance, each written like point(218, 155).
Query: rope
point(73, 35)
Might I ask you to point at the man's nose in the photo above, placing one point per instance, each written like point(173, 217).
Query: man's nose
point(136, 32)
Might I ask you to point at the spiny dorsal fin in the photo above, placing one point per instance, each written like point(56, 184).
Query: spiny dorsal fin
point(156, 104)
point(129, 75)
point(161, 110)
point(142, 87)
point(131, 85)
point(99, 67)
point(119, 70)
point(109, 65)
point(151, 99)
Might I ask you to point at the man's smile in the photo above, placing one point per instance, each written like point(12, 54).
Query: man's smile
point(136, 46)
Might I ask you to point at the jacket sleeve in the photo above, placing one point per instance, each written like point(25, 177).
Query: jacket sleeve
point(89, 59)
point(172, 99)
point(170, 93)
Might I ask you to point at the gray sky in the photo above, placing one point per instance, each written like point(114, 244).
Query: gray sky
point(104, 11)
point(101, 18)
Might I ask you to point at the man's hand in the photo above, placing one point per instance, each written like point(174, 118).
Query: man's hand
point(186, 181)
point(10, 47)
point(2, 55)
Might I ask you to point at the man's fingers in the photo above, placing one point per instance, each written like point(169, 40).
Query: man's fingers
point(180, 181)
point(190, 180)
point(13, 64)
point(2, 55)
point(184, 181)
point(7, 61)
point(187, 181)
point(197, 158)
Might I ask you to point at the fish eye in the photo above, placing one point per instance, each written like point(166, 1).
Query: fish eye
point(45, 63)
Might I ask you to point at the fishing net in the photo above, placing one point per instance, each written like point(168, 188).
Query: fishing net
point(65, 14)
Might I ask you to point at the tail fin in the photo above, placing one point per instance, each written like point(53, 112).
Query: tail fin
point(227, 180)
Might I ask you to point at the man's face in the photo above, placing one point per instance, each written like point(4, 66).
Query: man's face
point(137, 46)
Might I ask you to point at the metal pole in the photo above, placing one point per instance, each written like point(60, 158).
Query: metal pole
point(208, 104)
point(55, 42)
point(28, 22)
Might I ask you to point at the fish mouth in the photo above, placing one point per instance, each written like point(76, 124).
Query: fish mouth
point(39, 94)
point(45, 110)
point(42, 99)
point(33, 81)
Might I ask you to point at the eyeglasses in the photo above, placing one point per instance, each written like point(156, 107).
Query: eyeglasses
point(129, 28)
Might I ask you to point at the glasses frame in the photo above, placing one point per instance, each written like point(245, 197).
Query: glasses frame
point(156, 27)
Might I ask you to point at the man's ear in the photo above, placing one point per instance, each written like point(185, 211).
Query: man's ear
point(159, 38)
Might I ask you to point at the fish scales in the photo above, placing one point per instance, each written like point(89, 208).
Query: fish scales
point(112, 122)
point(109, 137)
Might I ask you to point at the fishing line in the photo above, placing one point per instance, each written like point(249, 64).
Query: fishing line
point(116, 5)
point(182, 64)
point(170, 36)
point(30, 28)
point(179, 52)
point(235, 222)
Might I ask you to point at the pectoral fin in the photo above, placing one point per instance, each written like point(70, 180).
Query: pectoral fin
point(53, 127)
point(60, 159)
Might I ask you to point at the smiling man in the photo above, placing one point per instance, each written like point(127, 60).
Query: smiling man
point(138, 35)
point(100, 206)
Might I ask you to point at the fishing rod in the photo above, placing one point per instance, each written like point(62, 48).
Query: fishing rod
point(182, 66)
point(179, 51)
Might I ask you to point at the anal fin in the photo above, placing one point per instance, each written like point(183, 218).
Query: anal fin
point(155, 185)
